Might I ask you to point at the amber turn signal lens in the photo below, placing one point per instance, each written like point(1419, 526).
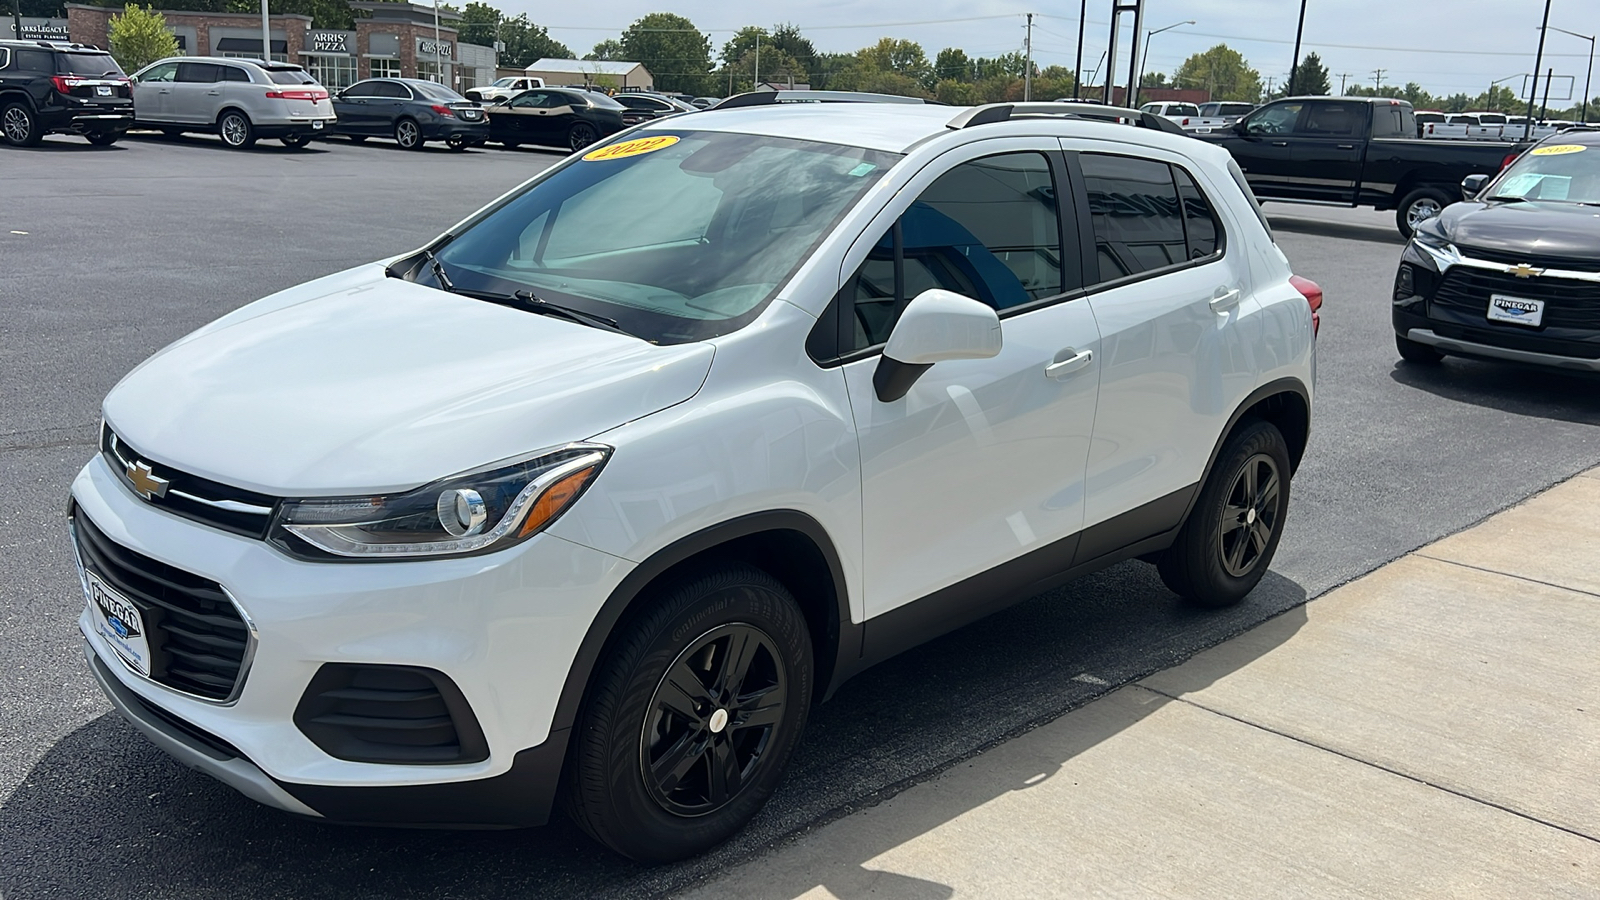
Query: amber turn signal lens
point(554, 499)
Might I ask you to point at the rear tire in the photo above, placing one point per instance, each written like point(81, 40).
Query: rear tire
point(236, 130)
point(1227, 543)
point(581, 136)
point(408, 134)
point(511, 145)
point(172, 132)
point(1414, 352)
point(103, 138)
point(1417, 207)
point(19, 126)
point(691, 716)
point(296, 141)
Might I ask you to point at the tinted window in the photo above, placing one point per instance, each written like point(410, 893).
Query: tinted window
point(1279, 118)
point(531, 100)
point(391, 90)
point(1138, 224)
point(602, 101)
point(35, 61)
point(1199, 220)
point(162, 73)
point(987, 229)
point(92, 65)
point(234, 73)
point(1325, 119)
point(5, 57)
point(1393, 121)
point(437, 92)
point(1183, 109)
point(198, 73)
point(290, 76)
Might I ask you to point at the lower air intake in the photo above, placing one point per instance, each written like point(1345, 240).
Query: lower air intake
point(389, 714)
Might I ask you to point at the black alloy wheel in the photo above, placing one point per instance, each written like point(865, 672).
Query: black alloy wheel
point(712, 719)
point(19, 126)
point(1225, 546)
point(102, 138)
point(582, 135)
point(691, 714)
point(408, 134)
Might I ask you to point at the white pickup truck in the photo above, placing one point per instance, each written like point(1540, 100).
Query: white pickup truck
point(509, 86)
point(1489, 127)
point(1186, 115)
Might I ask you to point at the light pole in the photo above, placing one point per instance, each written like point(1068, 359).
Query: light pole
point(438, 52)
point(1590, 77)
point(1538, 62)
point(1077, 70)
point(1490, 96)
point(1147, 36)
point(1299, 30)
point(266, 33)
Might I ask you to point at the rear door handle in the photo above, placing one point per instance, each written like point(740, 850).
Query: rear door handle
point(1347, 146)
point(1280, 143)
point(1224, 299)
point(213, 93)
point(1073, 363)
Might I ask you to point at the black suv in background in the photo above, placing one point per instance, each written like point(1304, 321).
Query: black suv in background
point(56, 88)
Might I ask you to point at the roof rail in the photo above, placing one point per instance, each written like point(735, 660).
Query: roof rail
point(1004, 112)
point(768, 98)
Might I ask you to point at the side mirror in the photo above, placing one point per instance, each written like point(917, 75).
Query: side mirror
point(1472, 185)
point(1239, 129)
point(936, 326)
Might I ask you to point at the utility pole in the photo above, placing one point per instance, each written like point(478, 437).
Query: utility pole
point(1077, 67)
point(1544, 108)
point(756, 85)
point(1538, 61)
point(1269, 87)
point(1133, 54)
point(16, 16)
point(1343, 77)
point(438, 52)
point(1027, 75)
point(1377, 79)
point(266, 30)
point(1294, 70)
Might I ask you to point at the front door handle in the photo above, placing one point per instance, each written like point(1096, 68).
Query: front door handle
point(1224, 299)
point(1280, 143)
point(213, 93)
point(1347, 146)
point(1065, 367)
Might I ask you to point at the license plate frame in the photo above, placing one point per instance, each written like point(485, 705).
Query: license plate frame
point(316, 125)
point(102, 90)
point(118, 622)
point(1524, 311)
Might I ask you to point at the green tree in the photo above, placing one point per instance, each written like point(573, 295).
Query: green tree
point(1223, 72)
point(744, 41)
point(1311, 77)
point(787, 37)
point(1154, 80)
point(527, 43)
point(611, 48)
point(139, 37)
point(897, 57)
point(480, 24)
point(954, 65)
point(677, 54)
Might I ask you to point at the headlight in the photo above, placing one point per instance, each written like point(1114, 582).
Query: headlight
point(1438, 250)
point(488, 509)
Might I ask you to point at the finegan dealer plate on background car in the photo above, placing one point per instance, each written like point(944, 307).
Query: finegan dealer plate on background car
point(119, 622)
point(1516, 310)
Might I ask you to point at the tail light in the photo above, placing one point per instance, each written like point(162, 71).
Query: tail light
point(1313, 294)
point(1186, 120)
point(445, 111)
point(66, 83)
point(312, 95)
point(1510, 158)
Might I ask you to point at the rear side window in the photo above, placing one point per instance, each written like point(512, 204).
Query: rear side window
point(1255, 206)
point(1137, 216)
point(1393, 121)
point(87, 65)
point(199, 73)
point(290, 76)
point(35, 61)
point(1333, 119)
point(234, 73)
point(391, 90)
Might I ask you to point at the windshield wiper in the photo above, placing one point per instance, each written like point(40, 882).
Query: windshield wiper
point(438, 271)
point(539, 304)
point(1507, 198)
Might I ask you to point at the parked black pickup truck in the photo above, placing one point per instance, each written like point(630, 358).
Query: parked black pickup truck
point(1355, 151)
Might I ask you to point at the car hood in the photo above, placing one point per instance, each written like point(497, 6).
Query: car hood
point(362, 383)
point(1563, 230)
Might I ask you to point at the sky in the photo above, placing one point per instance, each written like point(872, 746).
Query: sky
point(1447, 46)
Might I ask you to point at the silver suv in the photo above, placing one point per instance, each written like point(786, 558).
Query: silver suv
point(242, 100)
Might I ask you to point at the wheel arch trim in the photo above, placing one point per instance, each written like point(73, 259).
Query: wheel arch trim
point(1290, 386)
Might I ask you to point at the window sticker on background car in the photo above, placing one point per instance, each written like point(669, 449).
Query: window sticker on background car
point(1537, 185)
point(1558, 149)
point(631, 148)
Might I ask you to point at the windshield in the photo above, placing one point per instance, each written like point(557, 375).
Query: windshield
point(677, 236)
point(1182, 109)
point(92, 65)
point(508, 81)
point(435, 91)
point(1563, 173)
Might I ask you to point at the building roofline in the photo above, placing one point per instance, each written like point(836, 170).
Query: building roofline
point(191, 12)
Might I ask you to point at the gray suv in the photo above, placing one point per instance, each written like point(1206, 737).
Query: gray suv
point(241, 100)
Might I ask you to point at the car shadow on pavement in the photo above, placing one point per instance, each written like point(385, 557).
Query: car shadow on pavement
point(1376, 234)
point(1509, 387)
point(65, 144)
point(103, 813)
point(211, 141)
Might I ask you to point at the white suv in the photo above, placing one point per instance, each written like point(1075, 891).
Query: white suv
point(240, 100)
point(592, 498)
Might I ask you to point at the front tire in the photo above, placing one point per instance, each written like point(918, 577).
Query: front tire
point(692, 716)
point(1228, 541)
point(1414, 352)
point(1417, 207)
point(19, 126)
point(236, 130)
point(581, 136)
point(408, 134)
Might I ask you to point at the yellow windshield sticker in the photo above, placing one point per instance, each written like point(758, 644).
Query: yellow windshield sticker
point(1558, 149)
point(631, 148)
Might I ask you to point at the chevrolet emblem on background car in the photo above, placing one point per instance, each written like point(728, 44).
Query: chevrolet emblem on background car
point(1523, 270)
point(145, 483)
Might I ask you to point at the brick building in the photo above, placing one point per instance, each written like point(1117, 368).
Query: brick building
point(393, 39)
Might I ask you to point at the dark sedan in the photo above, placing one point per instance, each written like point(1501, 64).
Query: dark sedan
point(555, 117)
point(411, 111)
point(1513, 272)
point(644, 107)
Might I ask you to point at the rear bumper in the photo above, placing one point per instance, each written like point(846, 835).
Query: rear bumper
point(446, 128)
point(87, 121)
point(295, 126)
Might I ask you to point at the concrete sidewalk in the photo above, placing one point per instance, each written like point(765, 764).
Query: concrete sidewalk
point(1430, 730)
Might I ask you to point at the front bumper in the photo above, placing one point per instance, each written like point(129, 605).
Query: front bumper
point(504, 627)
point(1491, 351)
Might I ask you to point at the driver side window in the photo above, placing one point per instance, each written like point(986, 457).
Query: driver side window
point(1278, 118)
point(164, 72)
point(530, 101)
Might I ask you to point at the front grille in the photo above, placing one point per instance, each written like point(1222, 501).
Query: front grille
point(389, 714)
point(1538, 262)
point(1567, 303)
point(213, 503)
point(198, 641)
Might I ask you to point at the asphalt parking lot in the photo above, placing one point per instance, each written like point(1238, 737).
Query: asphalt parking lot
point(108, 254)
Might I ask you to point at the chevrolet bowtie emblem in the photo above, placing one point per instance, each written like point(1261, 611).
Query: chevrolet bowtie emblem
point(1523, 270)
point(146, 484)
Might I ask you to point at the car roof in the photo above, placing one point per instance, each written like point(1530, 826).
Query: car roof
point(896, 127)
point(1589, 137)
